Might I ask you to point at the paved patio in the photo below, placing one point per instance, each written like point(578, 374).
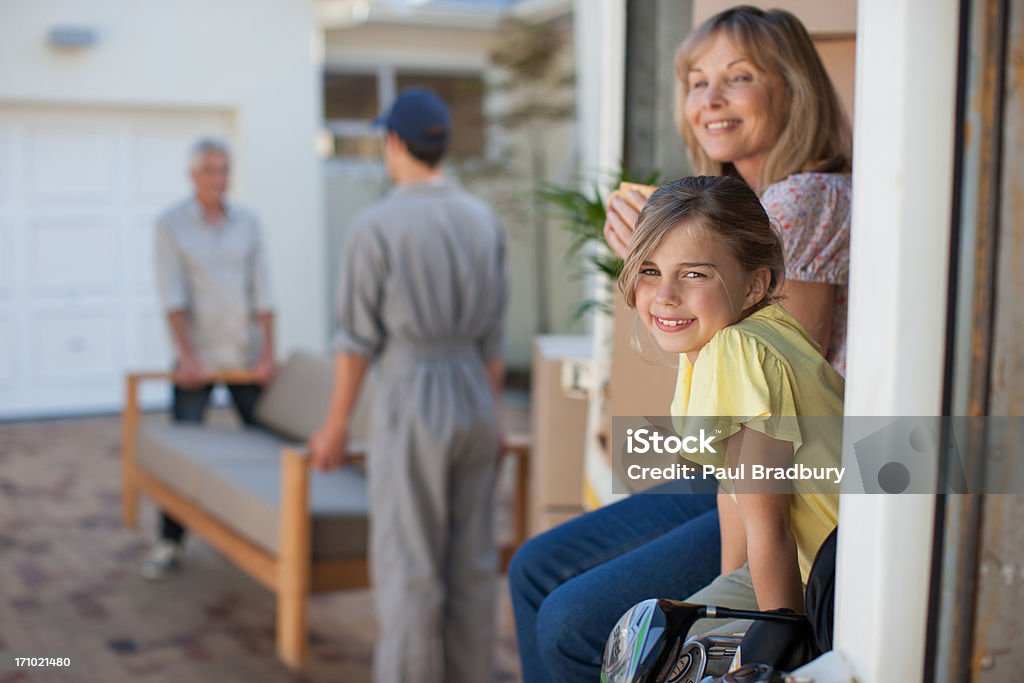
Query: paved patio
point(69, 584)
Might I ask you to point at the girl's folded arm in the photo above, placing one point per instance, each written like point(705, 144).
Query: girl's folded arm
point(771, 546)
point(734, 542)
point(771, 551)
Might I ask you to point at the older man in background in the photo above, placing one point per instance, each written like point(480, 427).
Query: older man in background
point(214, 286)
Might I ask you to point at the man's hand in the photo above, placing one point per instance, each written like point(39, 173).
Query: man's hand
point(502, 438)
point(264, 369)
point(190, 373)
point(327, 448)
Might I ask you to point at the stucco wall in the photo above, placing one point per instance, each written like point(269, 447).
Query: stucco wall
point(421, 46)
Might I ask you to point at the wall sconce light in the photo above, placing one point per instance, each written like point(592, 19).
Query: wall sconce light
point(72, 36)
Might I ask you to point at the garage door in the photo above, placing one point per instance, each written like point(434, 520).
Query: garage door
point(79, 192)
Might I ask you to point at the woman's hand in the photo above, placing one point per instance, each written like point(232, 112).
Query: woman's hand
point(622, 212)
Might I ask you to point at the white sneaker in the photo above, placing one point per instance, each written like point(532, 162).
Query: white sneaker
point(163, 560)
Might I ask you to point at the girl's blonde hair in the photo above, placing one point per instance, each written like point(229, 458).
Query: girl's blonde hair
point(816, 135)
point(725, 207)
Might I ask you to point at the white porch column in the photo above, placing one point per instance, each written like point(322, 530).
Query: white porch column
point(903, 171)
point(600, 27)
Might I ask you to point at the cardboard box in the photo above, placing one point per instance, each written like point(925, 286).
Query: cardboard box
point(559, 427)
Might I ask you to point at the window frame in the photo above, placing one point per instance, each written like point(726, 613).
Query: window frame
point(387, 89)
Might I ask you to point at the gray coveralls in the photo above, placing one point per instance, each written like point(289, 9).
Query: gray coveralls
point(423, 293)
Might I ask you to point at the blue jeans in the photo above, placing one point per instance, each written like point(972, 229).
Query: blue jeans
point(571, 584)
point(189, 405)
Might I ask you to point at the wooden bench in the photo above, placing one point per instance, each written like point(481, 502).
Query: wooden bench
point(250, 492)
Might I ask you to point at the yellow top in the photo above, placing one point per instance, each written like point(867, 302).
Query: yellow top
point(766, 373)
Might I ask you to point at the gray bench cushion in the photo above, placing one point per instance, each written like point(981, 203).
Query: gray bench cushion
point(235, 475)
point(295, 402)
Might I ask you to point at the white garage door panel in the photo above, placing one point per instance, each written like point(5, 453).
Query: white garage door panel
point(70, 165)
point(159, 163)
point(80, 189)
point(70, 255)
point(153, 347)
point(6, 161)
point(6, 264)
point(141, 233)
point(74, 347)
point(8, 339)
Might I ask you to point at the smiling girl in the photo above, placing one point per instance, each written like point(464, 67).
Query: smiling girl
point(703, 274)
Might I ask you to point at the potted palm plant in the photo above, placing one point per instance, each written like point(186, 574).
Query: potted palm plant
point(581, 212)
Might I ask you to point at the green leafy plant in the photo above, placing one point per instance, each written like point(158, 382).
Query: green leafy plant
point(582, 214)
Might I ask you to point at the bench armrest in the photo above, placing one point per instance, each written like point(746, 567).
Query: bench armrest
point(301, 453)
point(517, 446)
point(130, 428)
point(134, 379)
point(229, 376)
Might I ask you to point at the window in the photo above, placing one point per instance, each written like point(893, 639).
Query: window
point(350, 96)
point(353, 99)
point(464, 96)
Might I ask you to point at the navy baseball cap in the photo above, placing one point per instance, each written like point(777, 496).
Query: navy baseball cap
point(419, 116)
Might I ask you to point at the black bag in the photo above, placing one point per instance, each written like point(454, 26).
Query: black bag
point(820, 596)
point(790, 646)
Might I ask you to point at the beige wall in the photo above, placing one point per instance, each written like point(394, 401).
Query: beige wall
point(839, 55)
point(821, 17)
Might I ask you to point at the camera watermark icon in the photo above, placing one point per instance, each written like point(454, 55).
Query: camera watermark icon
point(908, 455)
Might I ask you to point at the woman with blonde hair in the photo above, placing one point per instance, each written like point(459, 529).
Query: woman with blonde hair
point(754, 102)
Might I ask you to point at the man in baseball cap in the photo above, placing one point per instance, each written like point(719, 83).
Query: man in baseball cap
point(422, 296)
point(419, 117)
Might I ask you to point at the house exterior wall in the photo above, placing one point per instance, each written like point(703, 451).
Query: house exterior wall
point(410, 46)
point(252, 59)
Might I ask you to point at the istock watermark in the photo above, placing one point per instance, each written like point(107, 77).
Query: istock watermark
point(646, 440)
point(828, 455)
